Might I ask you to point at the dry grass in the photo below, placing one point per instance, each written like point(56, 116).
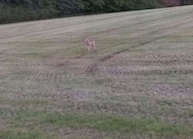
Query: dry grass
point(142, 69)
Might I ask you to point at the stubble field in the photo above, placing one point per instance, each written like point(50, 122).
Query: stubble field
point(137, 84)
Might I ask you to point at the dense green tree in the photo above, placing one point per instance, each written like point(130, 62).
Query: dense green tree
point(22, 10)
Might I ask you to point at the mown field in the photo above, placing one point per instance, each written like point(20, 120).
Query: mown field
point(138, 84)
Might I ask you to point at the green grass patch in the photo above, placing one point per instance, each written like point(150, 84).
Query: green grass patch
point(119, 124)
point(22, 134)
point(106, 123)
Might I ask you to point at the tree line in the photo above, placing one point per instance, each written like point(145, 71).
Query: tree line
point(23, 10)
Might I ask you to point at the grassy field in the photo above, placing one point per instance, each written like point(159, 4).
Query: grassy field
point(138, 84)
